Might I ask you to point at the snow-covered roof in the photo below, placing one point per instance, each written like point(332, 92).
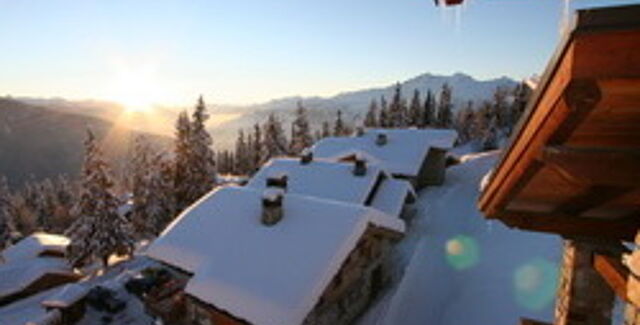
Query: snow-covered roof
point(403, 152)
point(66, 296)
point(18, 275)
point(391, 196)
point(320, 178)
point(264, 274)
point(34, 245)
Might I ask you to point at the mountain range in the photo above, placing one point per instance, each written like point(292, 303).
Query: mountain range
point(43, 136)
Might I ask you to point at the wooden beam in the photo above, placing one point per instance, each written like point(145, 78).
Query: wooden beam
point(572, 226)
point(613, 272)
point(567, 102)
point(593, 197)
point(598, 166)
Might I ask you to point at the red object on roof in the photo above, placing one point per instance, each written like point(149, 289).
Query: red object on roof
point(448, 2)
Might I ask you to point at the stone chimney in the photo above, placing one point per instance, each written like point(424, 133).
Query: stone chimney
point(278, 181)
point(381, 139)
point(306, 156)
point(272, 206)
point(360, 166)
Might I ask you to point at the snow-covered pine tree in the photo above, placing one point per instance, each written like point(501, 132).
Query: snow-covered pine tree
point(100, 230)
point(445, 107)
point(415, 109)
point(501, 108)
point(429, 111)
point(182, 160)
point(301, 132)
point(464, 122)
point(371, 119)
point(202, 160)
point(140, 171)
point(161, 204)
point(384, 118)
point(521, 95)
point(275, 142)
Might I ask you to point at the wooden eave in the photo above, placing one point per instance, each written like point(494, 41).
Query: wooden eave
point(573, 162)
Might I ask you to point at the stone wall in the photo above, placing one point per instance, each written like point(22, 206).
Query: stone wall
point(584, 298)
point(362, 277)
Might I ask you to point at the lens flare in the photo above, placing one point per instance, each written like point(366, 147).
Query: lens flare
point(462, 252)
point(535, 284)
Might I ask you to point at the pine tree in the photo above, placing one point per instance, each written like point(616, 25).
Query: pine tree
point(415, 109)
point(339, 127)
point(398, 109)
point(275, 142)
point(465, 122)
point(429, 111)
point(371, 119)
point(301, 132)
point(384, 119)
point(521, 95)
point(141, 172)
point(445, 107)
point(202, 162)
point(258, 151)
point(242, 159)
point(182, 169)
point(500, 108)
point(100, 230)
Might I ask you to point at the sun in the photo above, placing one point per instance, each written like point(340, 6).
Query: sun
point(135, 89)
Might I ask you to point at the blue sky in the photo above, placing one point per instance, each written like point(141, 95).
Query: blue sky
point(247, 51)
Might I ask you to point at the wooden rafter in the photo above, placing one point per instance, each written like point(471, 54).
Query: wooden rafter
point(572, 226)
point(597, 166)
point(613, 272)
point(593, 197)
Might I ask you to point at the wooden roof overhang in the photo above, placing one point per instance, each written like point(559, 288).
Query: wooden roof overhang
point(573, 164)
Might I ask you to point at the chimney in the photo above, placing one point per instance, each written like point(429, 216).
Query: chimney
point(278, 181)
point(272, 206)
point(381, 139)
point(360, 166)
point(306, 157)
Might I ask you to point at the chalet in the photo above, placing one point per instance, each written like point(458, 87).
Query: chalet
point(417, 155)
point(34, 264)
point(358, 182)
point(62, 305)
point(572, 167)
point(265, 256)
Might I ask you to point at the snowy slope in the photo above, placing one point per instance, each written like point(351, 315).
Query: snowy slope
point(465, 270)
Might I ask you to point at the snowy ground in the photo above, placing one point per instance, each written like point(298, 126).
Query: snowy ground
point(462, 269)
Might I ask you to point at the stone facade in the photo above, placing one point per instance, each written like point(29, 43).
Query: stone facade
point(584, 298)
point(362, 277)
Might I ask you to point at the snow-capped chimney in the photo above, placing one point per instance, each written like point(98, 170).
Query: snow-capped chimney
point(360, 166)
point(278, 181)
point(381, 139)
point(272, 206)
point(306, 156)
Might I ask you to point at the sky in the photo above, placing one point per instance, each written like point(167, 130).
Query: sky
point(250, 51)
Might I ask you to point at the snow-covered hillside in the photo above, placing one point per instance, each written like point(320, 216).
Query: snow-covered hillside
point(465, 270)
